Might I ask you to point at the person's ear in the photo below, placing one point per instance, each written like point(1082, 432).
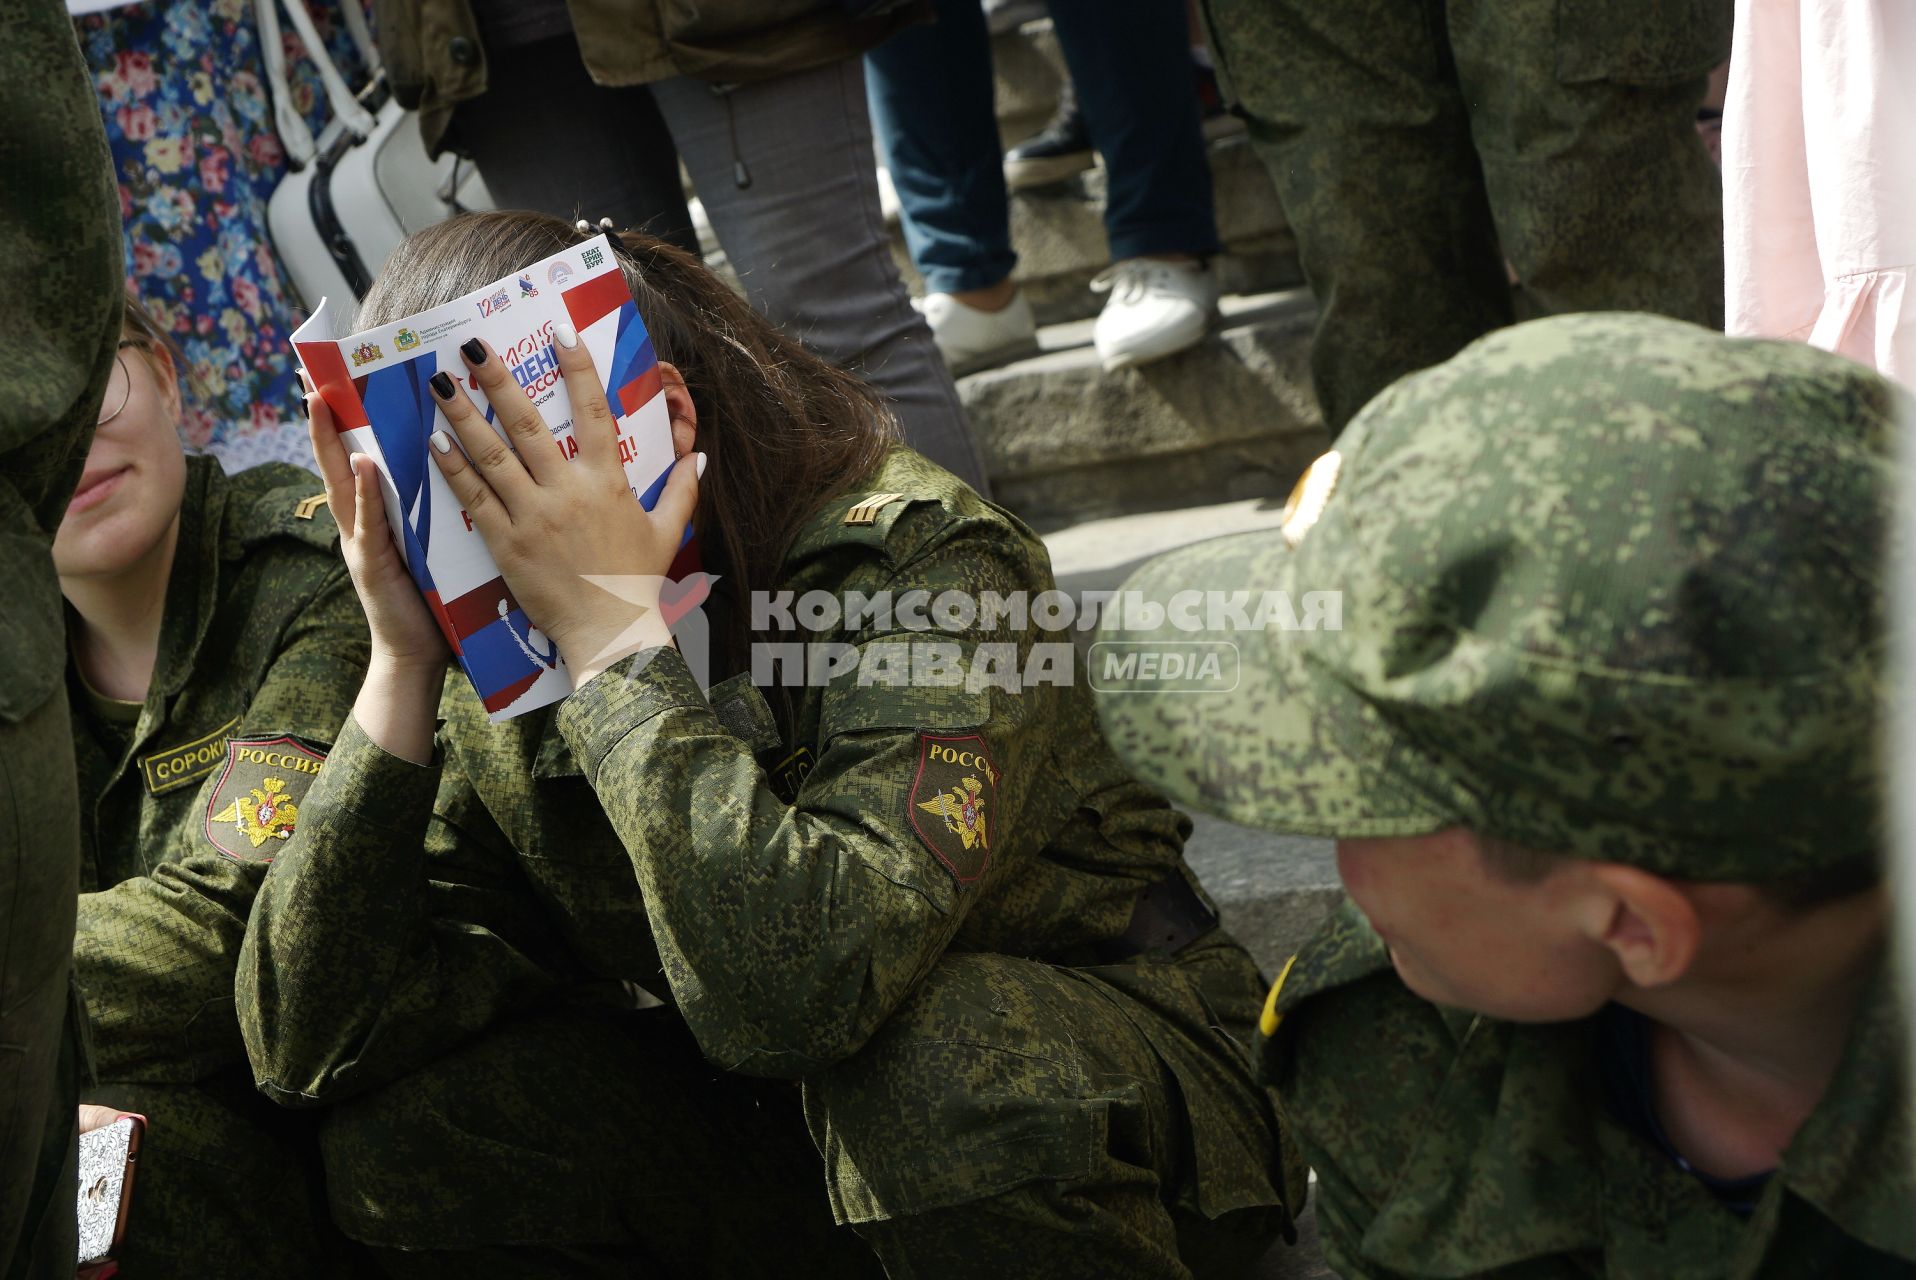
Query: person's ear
point(166, 376)
point(679, 407)
point(1646, 921)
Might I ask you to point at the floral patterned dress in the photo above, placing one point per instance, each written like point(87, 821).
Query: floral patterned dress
point(189, 119)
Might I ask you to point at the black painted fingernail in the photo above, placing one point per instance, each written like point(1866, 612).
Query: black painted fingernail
point(475, 350)
point(304, 412)
point(442, 385)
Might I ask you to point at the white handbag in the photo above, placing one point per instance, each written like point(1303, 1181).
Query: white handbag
point(364, 184)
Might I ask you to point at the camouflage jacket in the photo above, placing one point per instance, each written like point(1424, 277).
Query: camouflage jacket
point(60, 278)
point(262, 648)
point(789, 890)
point(1447, 1144)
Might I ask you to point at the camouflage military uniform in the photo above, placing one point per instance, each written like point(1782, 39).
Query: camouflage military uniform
point(262, 647)
point(1494, 1158)
point(1416, 144)
point(1612, 588)
point(60, 277)
point(1001, 1072)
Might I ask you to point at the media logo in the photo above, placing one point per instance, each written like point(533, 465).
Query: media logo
point(526, 288)
point(366, 353)
point(592, 256)
point(498, 302)
point(558, 273)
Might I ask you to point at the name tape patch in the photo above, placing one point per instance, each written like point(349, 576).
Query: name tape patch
point(171, 768)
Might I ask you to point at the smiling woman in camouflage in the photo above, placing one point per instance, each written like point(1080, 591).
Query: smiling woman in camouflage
point(215, 646)
point(947, 913)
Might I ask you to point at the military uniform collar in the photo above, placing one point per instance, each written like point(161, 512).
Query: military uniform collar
point(1553, 1207)
point(1517, 1135)
point(1855, 1157)
point(1344, 950)
point(193, 587)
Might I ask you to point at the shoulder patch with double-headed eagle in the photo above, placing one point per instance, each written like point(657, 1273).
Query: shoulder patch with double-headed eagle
point(953, 802)
point(255, 807)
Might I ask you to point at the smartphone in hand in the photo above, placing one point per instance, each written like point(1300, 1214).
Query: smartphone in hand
point(109, 1156)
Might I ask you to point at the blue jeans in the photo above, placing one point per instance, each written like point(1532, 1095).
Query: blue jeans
point(931, 105)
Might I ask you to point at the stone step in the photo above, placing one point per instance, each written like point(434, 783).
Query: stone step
point(1058, 232)
point(1272, 891)
point(1234, 417)
point(1027, 73)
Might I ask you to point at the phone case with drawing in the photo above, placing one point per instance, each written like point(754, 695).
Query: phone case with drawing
point(109, 1156)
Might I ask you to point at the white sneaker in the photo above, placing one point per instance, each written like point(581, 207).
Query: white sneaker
point(970, 339)
point(1157, 308)
point(888, 206)
point(1008, 15)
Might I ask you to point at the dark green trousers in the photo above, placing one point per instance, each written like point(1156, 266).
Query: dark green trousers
point(1012, 1120)
point(229, 1185)
point(40, 1060)
point(585, 1143)
point(1416, 144)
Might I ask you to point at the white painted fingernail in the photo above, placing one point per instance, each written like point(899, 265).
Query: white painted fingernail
point(565, 335)
point(700, 464)
point(442, 442)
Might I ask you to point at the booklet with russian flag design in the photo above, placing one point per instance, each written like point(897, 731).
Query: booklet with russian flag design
point(375, 383)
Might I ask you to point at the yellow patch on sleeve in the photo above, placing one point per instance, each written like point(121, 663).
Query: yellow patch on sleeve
point(174, 767)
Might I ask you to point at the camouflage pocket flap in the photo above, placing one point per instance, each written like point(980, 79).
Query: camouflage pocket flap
point(886, 693)
point(742, 709)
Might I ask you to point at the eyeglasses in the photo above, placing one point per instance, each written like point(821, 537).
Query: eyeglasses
point(119, 383)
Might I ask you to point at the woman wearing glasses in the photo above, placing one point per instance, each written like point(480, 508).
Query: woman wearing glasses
point(215, 648)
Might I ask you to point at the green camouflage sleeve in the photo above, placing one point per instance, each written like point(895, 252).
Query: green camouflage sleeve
point(361, 965)
point(60, 305)
point(789, 932)
point(155, 954)
point(1363, 1067)
point(1353, 1148)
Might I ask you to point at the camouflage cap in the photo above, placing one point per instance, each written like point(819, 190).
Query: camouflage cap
point(1611, 586)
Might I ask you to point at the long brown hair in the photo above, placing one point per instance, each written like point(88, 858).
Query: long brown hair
point(783, 431)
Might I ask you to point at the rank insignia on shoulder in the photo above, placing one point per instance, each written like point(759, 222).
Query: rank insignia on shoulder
point(951, 802)
point(866, 510)
point(307, 508)
point(255, 806)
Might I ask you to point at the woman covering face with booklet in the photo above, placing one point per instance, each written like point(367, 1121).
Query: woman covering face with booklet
point(939, 906)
